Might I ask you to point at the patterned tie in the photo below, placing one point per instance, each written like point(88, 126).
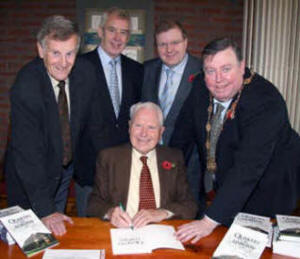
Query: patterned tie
point(165, 95)
point(147, 199)
point(114, 89)
point(65, 124)
point(216, 127)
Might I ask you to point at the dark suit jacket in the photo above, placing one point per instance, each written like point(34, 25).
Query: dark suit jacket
point(150, 90)
point(113, 176)
point(257, 152)
point(34, 158)
point(110, 131)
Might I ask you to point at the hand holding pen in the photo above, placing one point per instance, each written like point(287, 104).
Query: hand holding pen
point(119, 217)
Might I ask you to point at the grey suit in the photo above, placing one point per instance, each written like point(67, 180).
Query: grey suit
point(150, 90)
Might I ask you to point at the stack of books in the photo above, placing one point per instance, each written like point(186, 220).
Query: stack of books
point(286, 239)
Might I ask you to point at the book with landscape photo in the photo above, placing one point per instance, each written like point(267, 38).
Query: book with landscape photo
point(255, 222)
point(4, 234)
point(241, 242)
point(29, 232)
point(144, 239)
point(289, 228)
point(283, 247)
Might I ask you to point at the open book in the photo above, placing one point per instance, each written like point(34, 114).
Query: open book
point(143, 240)
point(29, 232)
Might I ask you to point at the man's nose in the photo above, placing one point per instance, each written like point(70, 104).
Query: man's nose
point(218, 76)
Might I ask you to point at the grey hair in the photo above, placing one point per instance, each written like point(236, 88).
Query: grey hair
point(120, 13)
point(57, 27)
point(148, 105)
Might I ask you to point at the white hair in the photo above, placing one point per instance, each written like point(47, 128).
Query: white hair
point(148, 105)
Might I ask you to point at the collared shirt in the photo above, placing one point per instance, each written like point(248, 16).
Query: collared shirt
point(224, 104)
point(176, 79)
point(54, 83)
point(105, 59)
point(134, 182)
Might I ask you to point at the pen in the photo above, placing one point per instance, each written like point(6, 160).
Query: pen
point(122, 208)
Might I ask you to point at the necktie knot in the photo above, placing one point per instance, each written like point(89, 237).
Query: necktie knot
point(61, 85)
point(144, 160)
point(219, 109)
point(113, 62)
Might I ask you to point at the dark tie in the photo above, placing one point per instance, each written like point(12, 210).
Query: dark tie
point(65, 124)
point(147, 199)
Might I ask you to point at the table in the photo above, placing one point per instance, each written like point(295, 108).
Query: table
point(92, 233)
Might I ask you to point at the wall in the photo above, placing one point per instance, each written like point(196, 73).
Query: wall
point(20, 19)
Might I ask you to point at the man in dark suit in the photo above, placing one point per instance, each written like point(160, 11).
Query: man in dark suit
point(171, 42)
point(240, 123)
point(120, 86)
point(122, 170)
point(50, 107)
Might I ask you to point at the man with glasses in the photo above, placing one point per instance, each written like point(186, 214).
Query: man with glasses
point(168, 82)
point(119, 80)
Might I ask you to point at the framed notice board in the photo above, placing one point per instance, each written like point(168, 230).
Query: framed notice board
point(136, 43)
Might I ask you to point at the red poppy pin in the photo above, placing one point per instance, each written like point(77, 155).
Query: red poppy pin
point(167, 165)
point(230, 115)
point(191, 78)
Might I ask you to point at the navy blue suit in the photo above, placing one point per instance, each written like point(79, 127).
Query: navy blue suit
point(34, 157)
point(257, 153)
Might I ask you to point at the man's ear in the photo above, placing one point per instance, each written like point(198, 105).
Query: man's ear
point(100, 32)
point(40, 50)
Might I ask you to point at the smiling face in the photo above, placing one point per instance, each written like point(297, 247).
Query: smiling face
point(114, 35)
point(59, 56)
point(224, 74)
point(171, 46)
point(145, 130)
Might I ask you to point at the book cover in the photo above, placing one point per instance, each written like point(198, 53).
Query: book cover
point(4, 234)
point(29, 232)
point(289, 227)
point(283, 247)
point(241, 242)
point(255, 222)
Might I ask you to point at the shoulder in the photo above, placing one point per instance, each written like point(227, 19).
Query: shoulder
point(169, 153)
point(90, 54)
point(113, 152)
point(152, 62)
point(195, 60)
point(130, 62)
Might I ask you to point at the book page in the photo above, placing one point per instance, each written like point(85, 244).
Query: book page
point(143, 240)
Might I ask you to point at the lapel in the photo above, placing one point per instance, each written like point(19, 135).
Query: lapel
point(126, 82)
point(124, 166)
point(103, 84)
point(164, 179)
point(51, 110)
point(183, 90)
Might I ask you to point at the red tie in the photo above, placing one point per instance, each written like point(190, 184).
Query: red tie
point(147, 200)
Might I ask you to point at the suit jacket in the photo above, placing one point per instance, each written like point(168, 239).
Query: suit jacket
point(110, 131)
point(113, 176)
point(150, 90)
point(257, 153)
point(34, 158)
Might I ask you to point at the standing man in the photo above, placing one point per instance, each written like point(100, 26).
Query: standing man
point(147, 179)
point(240, 123)
point(50, 107)
point(119, 81)
point(168, 82)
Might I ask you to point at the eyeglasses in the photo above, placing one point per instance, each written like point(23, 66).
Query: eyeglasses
point(174, 43)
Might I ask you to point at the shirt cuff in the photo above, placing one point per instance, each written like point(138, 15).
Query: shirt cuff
point(211, 220)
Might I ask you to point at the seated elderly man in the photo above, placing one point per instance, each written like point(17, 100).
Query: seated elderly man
point(149, 179)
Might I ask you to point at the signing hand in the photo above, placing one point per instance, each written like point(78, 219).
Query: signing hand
point(55, 223)
point(196, 230)
point(144, 217)
point(119, 218)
